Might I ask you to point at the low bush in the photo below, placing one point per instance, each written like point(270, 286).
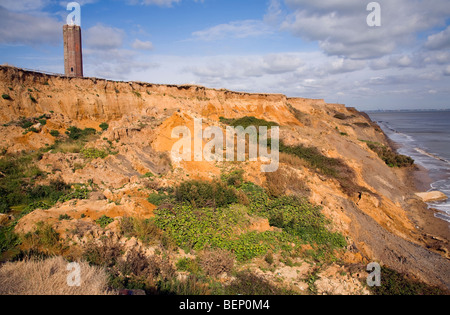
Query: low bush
point(216, 261)
point(104, 126)
point(6, 97)
point(55, 133)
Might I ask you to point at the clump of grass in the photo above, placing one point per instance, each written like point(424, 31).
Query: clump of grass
point(6, 97)
point(143, 229)
point(33, 99)
point(49, 276)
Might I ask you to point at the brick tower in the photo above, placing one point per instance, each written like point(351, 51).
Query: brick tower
point(73, 55)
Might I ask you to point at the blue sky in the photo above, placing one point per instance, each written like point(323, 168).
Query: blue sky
point(301, 48)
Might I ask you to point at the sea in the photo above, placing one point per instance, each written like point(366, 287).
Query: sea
point(424, 136)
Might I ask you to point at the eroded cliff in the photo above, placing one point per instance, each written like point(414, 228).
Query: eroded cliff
point(370, 203)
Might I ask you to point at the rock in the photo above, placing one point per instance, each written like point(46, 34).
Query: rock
point(432, 196)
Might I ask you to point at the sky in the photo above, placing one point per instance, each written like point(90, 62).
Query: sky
point(301, 48)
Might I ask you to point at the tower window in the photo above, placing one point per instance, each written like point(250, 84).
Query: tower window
point(71, 69)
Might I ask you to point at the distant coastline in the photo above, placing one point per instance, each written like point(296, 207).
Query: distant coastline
point(405, 110)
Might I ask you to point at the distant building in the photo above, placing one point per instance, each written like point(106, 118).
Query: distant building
point(73, 51)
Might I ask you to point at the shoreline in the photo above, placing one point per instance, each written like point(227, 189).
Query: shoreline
point(433, 232)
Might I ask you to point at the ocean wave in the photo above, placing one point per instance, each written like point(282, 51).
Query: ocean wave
point(432, 155)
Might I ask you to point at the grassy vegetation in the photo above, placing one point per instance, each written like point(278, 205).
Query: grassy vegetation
point(391, 158)
point(6, 97)
point(20, 193)
point(200, 215)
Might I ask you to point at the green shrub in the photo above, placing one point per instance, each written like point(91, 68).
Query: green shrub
point(63, 217)
point(159, 198)
point(33, 99)
point(104, 126)
point(6, 97)
point(80, 192)
point(76, 133)
point(25, 124)
point(55, 133)
point(43, 122)
point(235, 178)
point(247, 122)
point(391, 158)
point(104, 221)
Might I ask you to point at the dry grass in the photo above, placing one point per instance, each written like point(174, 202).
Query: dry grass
point(280, 182)
point(49, 277)
point(216, 262)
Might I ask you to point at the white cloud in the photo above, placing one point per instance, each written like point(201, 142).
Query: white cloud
point(341, 29)
point(29, 29)
point(447, 71)
point(141, 45)
point(161, 3)
point(24, 5)
point(236, 29)
point(439, 41)
point(103, 37)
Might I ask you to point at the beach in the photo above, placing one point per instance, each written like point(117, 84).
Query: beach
point(424, 136)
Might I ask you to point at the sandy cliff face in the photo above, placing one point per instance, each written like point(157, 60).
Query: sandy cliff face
point(376, 217)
